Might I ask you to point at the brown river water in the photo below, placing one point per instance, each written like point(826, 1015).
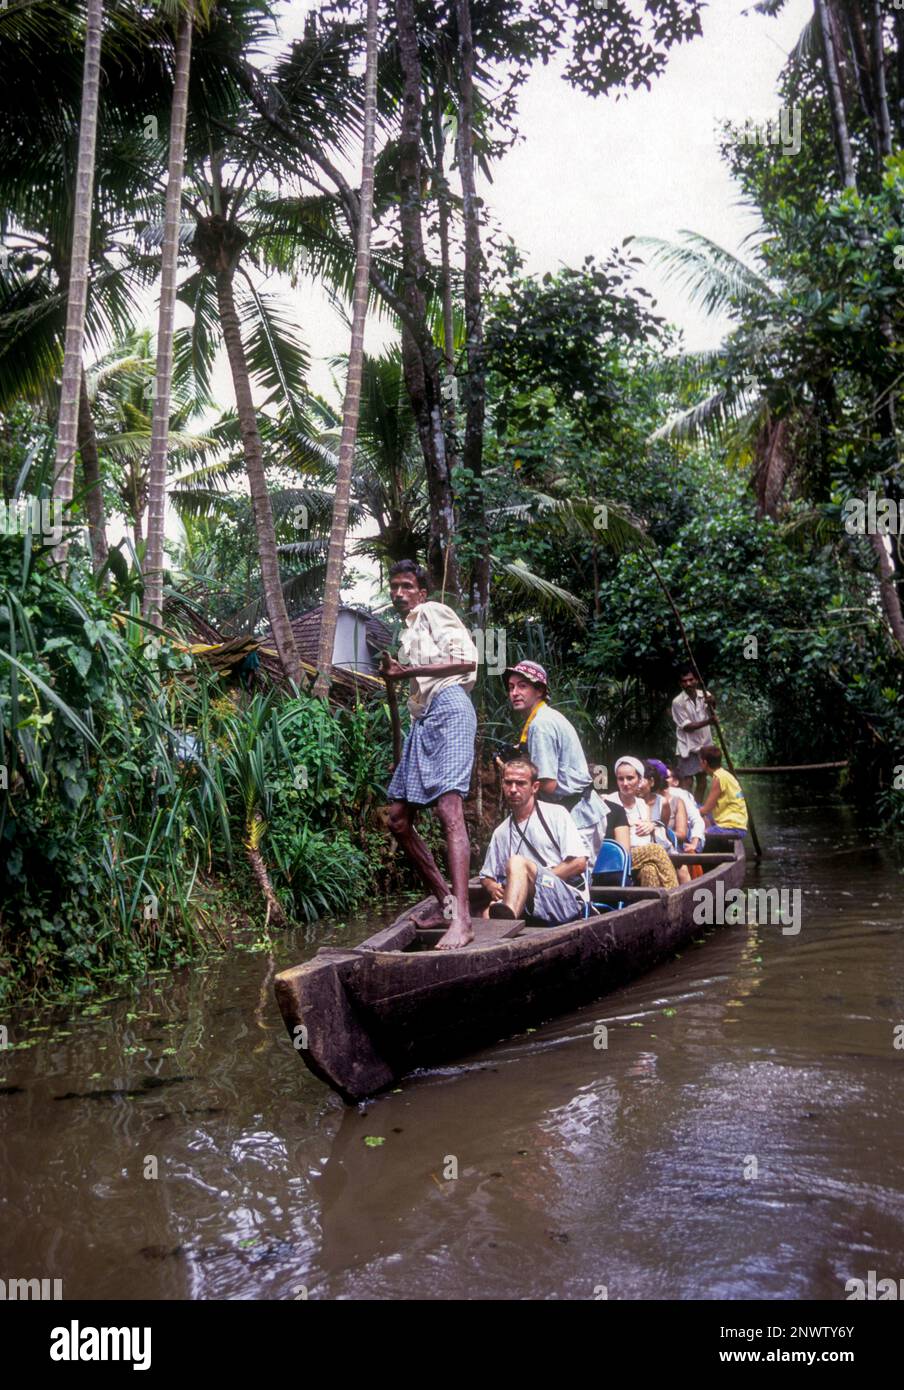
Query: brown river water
point(742, 1135)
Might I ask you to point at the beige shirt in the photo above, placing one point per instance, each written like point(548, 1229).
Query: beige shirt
point(434, 635)
point(688, 711)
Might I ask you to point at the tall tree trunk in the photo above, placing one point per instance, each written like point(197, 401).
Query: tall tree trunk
point(888, 593)
point(153, 585)
point(836, 96)
point(442, 202)
point(891, 582)
point(230, 240)
point(883, 119)
point(890, 571)
point(861, 65)
point(899, 57)
point(352, 405)
point(94, 499)
point(419, 356)
point(77, 298)
point(475, 382)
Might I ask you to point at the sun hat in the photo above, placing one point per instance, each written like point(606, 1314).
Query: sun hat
point(531, 670)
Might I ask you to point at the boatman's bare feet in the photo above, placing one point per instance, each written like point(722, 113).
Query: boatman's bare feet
point(458, 935)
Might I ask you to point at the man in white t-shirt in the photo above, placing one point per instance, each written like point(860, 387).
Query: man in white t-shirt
point(536, 860)
point(692, 711)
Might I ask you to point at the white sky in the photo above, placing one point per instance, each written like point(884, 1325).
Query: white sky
point(590, 172)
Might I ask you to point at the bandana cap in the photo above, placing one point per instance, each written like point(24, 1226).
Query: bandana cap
point(530, 670)
point(632, 762)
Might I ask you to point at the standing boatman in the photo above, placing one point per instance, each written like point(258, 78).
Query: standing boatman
point(692, 711)
point(438, 655)
point(551, 743)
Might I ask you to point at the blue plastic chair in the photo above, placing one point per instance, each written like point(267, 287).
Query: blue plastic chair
point(615, 862)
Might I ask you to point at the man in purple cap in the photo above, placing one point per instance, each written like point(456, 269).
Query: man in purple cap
point(553, 746)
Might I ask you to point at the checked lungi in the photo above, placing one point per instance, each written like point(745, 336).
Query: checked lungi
point(438, 753)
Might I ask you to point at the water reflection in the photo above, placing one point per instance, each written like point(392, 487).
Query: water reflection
point(740, 1135)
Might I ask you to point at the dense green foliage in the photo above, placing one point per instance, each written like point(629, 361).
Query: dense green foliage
point(143, 803)
point(128, 782)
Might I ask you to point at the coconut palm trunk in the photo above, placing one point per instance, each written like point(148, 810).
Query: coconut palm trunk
point(419, 357)
point(77, 298)
point(94, 497)
point(352, 406)
point(475, 381)
point(153, 591)
point(257, 477)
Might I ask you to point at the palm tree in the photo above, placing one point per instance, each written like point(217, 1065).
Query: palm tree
point(67, 434)
point(388, 477)
point(218, 245)
point(153, 593)
point(355, 362)
point(419, 354)
point(117, 391)
point(740, 414)
point(475, 381)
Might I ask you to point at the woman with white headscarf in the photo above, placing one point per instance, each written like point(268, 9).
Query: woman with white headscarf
point(650, 864)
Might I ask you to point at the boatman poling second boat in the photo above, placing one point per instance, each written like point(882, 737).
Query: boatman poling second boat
point(438, 655)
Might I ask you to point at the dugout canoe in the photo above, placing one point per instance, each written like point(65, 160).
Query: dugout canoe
point(362, 1018)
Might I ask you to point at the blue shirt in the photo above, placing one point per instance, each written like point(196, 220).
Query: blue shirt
point(555, 750)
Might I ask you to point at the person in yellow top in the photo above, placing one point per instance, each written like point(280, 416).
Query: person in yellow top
point(725, 809)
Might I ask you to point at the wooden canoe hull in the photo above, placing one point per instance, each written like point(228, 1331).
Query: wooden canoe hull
point(362, 1018)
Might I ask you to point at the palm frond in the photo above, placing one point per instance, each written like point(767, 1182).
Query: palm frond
point(713, 278)
point(277, 357)
point(521, 581)
point(299, 591)
point(610, 524)
point(708, 419)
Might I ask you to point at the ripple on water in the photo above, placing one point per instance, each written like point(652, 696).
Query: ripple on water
point(739, 1135)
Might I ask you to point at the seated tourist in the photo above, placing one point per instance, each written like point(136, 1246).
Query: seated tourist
point(657, 793)
point(650, 863)
point(687, 823)
point(654, 790)
point(725, 807)
point(553, 746)
point(536, 860)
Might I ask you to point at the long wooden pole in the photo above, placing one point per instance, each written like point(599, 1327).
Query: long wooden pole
point(392, 700)
point(796, 767)
point(715, 719)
